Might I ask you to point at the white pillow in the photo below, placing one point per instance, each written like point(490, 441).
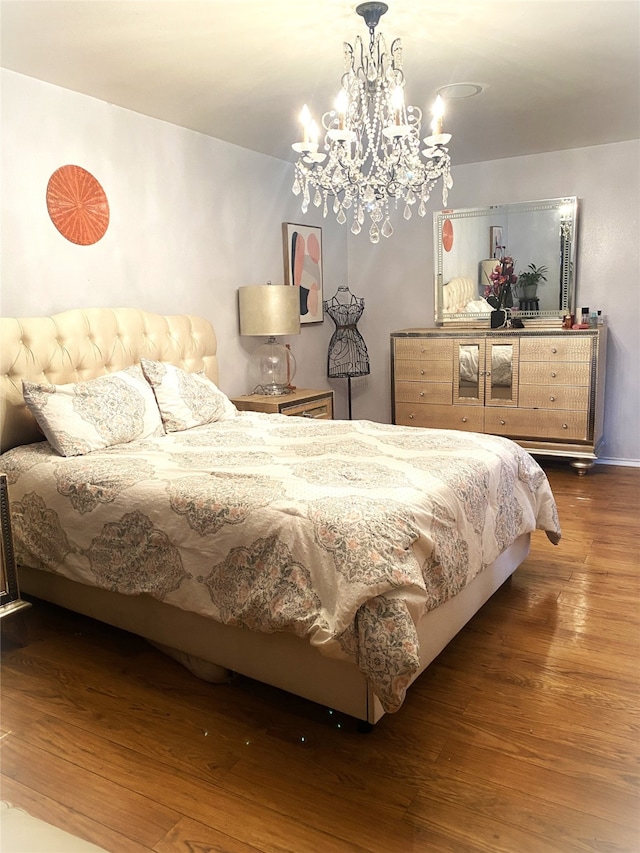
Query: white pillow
point(186, 399)
point(84, 416)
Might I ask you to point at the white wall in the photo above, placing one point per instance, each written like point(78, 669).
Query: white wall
point(396, 276)
point(191, 219)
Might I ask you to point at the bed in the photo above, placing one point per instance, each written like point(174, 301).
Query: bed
point(332, 559)
point(460, 296)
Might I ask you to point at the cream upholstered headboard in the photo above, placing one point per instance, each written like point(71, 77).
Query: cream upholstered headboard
point(85, 343)
point(457, 293)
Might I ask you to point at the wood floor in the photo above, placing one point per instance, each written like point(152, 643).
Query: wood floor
point(522, 737)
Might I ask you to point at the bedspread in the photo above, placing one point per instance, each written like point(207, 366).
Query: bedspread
point(343, 532)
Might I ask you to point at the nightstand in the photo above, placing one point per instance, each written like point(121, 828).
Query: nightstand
point(303, 403)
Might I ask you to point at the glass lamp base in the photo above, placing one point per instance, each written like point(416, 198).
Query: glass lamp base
point(271, 369)
point(272, 390)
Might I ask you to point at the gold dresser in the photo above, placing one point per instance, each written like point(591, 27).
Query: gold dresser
point(542, 388)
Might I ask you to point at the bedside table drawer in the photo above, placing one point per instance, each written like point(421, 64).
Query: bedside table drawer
point(322, 409)
point(301, 403)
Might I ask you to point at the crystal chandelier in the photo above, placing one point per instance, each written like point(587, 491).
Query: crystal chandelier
point(372, 142)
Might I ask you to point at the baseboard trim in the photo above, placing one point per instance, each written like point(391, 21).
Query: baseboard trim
point(628, 463)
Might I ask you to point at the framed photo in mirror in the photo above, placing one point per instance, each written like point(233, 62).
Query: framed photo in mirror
point(496, 245)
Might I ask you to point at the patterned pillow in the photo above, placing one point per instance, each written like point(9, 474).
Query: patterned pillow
point(84, 416)
point(186, 399)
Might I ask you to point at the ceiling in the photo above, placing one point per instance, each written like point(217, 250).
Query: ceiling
point(556, 75)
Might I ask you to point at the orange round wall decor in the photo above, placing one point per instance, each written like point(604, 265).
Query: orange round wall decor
point(77, 205)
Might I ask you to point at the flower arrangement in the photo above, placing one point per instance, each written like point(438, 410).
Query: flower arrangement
point(501, 279)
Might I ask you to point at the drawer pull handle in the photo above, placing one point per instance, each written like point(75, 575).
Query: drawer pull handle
point(502, 423)
point(411, 417)
point(553, 399)
point(421, 349)
point(564, 426)
point(464, 420)
point(422, 373)
point(553, 374)
point(422, 393)
point(554, 350)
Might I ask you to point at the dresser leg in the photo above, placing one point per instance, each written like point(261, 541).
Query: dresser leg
point(582, 465)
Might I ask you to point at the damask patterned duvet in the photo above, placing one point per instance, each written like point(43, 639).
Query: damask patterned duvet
point(343, 532)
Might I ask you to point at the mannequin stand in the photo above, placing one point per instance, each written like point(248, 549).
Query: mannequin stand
point(347, 355)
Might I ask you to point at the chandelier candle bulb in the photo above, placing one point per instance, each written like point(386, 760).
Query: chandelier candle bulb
point(438, 113)
point(309, 144)
point(342, 105)
point(305, 118)
point(398, 103)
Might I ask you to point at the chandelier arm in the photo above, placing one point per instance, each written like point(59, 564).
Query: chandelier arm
point(360, 47)
point(396, 55)
point(349, 59)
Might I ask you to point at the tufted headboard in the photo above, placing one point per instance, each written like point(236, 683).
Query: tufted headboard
point(85, 343)
point(457, 293)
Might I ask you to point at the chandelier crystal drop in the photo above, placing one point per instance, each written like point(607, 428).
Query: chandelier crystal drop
point(371, 160)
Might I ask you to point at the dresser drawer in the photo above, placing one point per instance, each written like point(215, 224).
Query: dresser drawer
point(561, 348)
point(424, 348)
point(538, 423)
point(555, 373)
point(469, 418)
point(423, 392)
point(417, 371)
point(554, 397)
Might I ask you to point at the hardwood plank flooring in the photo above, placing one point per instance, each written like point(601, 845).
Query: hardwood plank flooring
point(522, 737)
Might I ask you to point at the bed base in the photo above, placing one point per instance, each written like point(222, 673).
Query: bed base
point(281, 660)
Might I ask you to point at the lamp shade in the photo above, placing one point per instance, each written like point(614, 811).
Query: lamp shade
point(269, 309)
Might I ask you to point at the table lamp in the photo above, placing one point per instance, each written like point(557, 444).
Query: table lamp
point(268, 310)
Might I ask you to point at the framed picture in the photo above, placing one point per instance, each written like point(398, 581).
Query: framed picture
point(496, 246)
point(303, 267)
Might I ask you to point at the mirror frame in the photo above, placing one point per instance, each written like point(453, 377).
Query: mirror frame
point(567, 213)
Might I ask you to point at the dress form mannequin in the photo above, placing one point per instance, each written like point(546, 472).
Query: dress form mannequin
point(347, 355)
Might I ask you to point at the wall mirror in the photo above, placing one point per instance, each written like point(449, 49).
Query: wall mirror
point(469, 243)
